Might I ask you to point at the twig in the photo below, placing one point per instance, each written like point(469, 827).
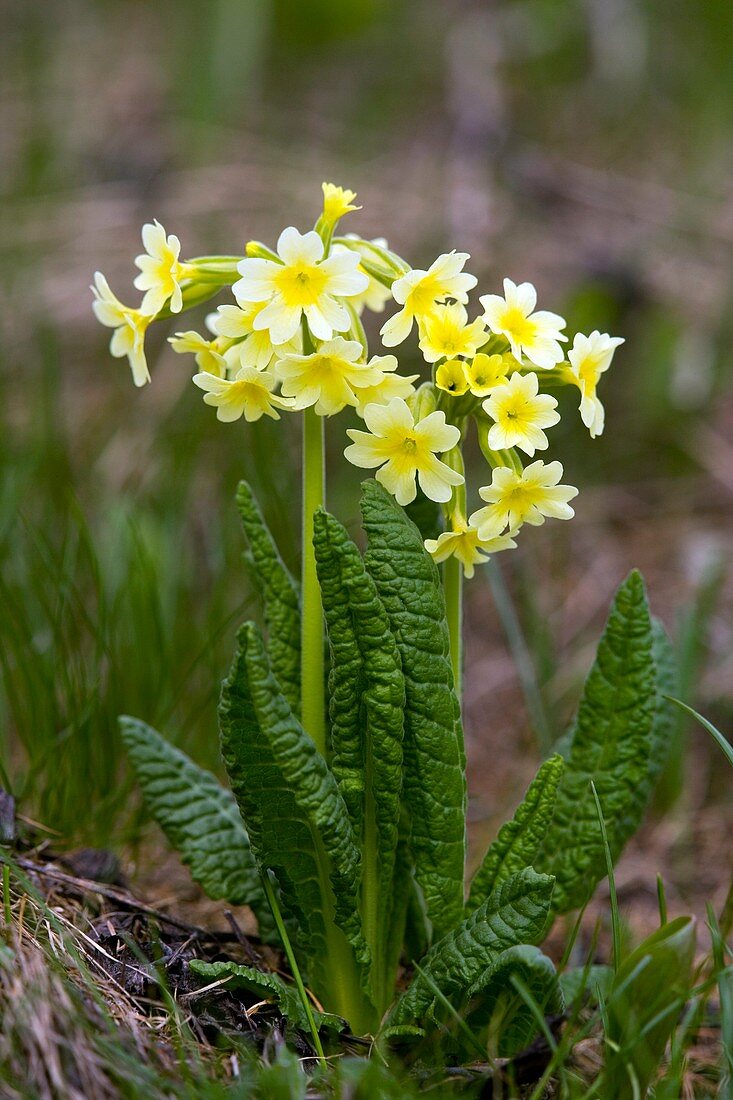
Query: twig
point(252, 955)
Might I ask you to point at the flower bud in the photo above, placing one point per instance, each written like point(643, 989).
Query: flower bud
point(423, 401)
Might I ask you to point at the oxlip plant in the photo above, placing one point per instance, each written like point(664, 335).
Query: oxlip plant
point(345, 826)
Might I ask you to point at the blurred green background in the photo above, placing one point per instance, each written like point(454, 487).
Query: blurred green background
point(583, 145)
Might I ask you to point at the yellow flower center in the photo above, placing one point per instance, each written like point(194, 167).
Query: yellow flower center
point(406, 451)
point(588, 370)
point(522, 328)
point(323, 369)
point(517, 409)
point(301, 285)
point(451, 378)
point(245, 393)
point(518, 500)
point(521, 498)
point(421, 298)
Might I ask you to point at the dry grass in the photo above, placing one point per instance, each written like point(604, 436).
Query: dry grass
point(86, 1014)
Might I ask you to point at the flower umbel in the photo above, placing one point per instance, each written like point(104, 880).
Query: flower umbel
point(405, 450)
point(535, 335)
point(520, 412)
point(465, 543)
point(248, 394)
point(526, 497)
point(293, 340)
point(446, 333)
point(589, 357)
point(329, 378)
point(419, 291)
point(130, 326)
point(161, 271)
point(302, 284)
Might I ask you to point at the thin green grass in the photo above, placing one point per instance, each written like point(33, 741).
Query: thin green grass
point(723, 743)
point(615, 916)
point(294, 968)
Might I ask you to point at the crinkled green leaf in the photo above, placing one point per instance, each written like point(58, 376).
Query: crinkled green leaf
point(297, 821)
point(406, 1033)
point(665, 719)
point(611, 746)
point(517, 912)
point(280, 595)
point(403, 891)
point(200, 819)
point(426, 515)
point(367, 696)
point(493, 997)
point(582, 983)
point(520, 839)
point(271, 987)
point(409, 586)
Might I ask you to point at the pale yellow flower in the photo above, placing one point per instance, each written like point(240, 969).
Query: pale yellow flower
point(256, 348)
point(302, 284)
point(329, 378)
point(130, 326)
point(451, 377)
point(207, 355)
point(406, 450)
point(520, 412)
point(526, 497)
point(589, 357)
point(418, 292)
point(233, 322)
point(376, 295)
point(464, 542)
point(337, 201)
point(161, 271)
point(485, 372)
point(445, 332)
point(389, 385)
point(535, 335)
point(248, 394)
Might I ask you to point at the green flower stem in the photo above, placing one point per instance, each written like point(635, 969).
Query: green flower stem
point(508, 458)
point(453, 590)
point(312, 669)
point(452, 568)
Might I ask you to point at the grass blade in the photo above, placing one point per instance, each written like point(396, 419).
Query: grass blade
point(615, 919)
point(723, 742)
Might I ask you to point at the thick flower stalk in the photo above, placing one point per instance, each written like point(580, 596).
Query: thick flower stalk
point(292, 342)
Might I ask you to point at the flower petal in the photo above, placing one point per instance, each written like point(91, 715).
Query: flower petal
point(294, 247)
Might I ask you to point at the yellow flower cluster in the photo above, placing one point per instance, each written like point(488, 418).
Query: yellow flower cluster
point(293, 339)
